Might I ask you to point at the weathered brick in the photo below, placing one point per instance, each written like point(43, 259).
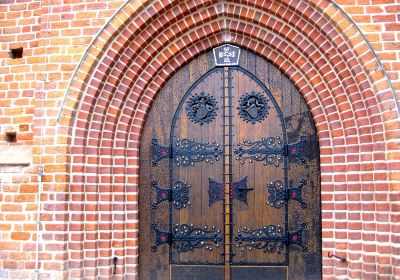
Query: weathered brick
point(55, 37)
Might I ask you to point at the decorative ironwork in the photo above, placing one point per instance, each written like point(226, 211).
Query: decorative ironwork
point(162, 237)
point(278, 194)
point(270, 150)
point(202, 108)
point(186, 238)
point(296, 238)
point(159, 152)
point(186, 152)
point(238, 190)
point(269, 238)
point(216, 191)
point(253, 107)
point(178, 194)
point(296, 150)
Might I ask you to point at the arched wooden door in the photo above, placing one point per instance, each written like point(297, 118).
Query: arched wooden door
point(229, 177)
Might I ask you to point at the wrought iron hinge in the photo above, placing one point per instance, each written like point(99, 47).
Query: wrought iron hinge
point(186, 152)
point(278, 194)
point(162, 237)
point(296, 150)
point(295, 237)
point(187, 237)
point(178, 194)
point(270, 150)
point(270, 238)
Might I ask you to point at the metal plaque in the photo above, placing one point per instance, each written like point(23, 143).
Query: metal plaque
point(227, 55)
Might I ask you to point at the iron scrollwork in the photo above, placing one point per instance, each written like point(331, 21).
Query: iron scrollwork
point(253, 107)
point(238, 190)
point(278, 194)
point(186, 152)
point(202, 108)
point(270, 238)
point(178, 194)
point(270, 150)
point(186, 238)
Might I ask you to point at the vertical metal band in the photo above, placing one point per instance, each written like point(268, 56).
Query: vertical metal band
point(227, 171)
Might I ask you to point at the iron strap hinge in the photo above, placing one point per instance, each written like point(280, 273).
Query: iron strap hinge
point(270, 150)
point(162, 237)
point(270, 238)
point(185, 152)
point(280, 194)
point(296, 150)
point(178, 194)
point(187, 237)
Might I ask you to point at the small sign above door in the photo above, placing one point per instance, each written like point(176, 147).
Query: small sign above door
point(227, 55)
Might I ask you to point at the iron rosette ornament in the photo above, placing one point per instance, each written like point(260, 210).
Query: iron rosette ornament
point(202, 108)
point(253, 107)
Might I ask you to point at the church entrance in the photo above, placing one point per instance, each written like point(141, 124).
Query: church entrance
point(229, 184)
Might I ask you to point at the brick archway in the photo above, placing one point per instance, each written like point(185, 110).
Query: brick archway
point(312, 42)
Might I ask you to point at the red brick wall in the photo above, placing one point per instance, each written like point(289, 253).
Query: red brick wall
point(88, 196)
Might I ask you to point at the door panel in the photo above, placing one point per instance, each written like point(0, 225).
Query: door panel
point(256, 118)
point(229, 177)
point(197, 125)
point(259, 273)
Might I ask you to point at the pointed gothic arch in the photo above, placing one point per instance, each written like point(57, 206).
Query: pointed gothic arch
point(144, 44)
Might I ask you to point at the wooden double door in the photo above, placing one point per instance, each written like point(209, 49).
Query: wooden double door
point(229, 179)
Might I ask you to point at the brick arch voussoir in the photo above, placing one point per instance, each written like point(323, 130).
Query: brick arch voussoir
point(116, 118)
point(301, 63)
